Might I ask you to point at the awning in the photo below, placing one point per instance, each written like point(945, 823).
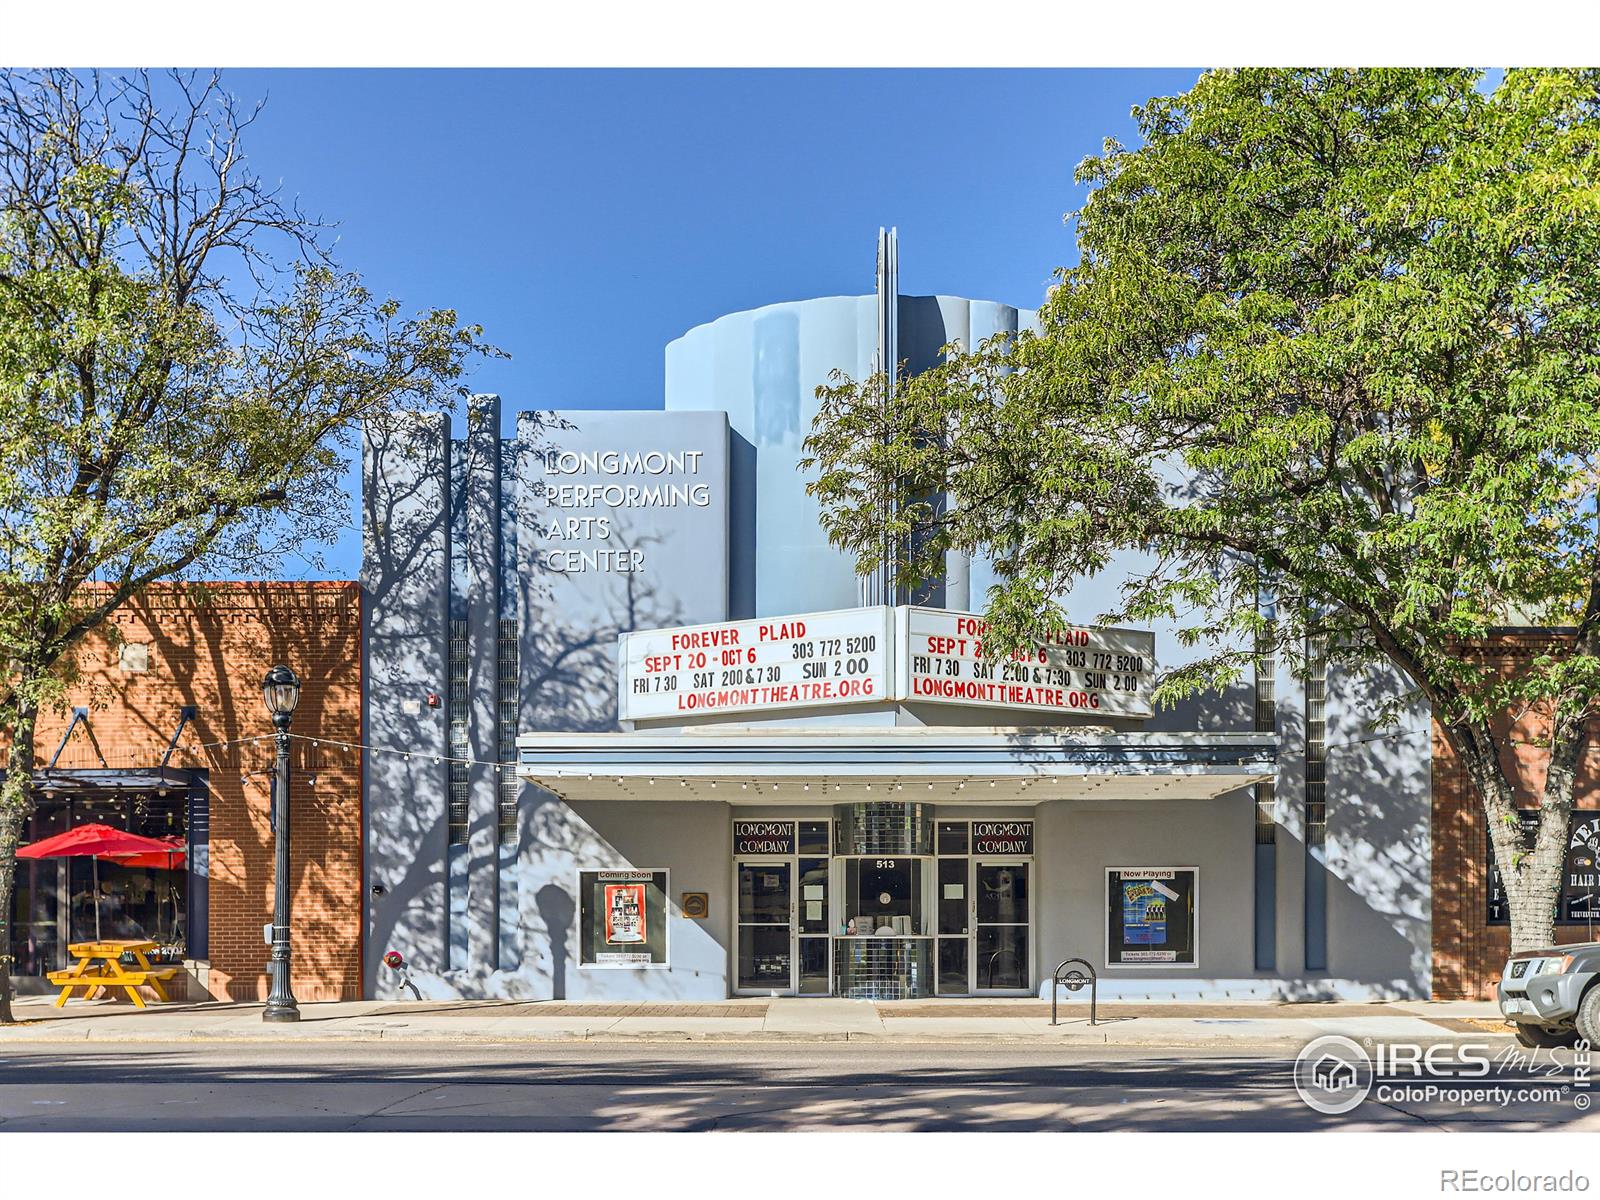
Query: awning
point(809, 765)
point(80, 781)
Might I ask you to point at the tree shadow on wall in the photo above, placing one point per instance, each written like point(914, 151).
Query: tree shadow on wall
point(407, 511)
point(570, 670)
point(569, 683)
point(211, 644)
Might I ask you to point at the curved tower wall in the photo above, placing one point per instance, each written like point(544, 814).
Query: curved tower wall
point(762, 367)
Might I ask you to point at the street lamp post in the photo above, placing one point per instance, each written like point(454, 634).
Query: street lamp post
point(281, 691)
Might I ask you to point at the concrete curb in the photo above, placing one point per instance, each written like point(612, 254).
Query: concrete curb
point(491, 1037)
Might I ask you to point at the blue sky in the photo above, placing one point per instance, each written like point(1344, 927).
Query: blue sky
point(587, 218)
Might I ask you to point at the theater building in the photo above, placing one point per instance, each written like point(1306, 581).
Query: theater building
point(606, 718)
point(636, 731)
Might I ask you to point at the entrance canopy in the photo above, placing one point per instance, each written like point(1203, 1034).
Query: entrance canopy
point(809, 765)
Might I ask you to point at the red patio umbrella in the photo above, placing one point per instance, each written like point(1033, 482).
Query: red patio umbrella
point(169, 858)
point(102, 841)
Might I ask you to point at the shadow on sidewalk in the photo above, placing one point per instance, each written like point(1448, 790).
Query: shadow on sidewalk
point(343, 1087)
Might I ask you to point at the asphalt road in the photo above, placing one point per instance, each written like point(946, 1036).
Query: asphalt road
point(684, 1086)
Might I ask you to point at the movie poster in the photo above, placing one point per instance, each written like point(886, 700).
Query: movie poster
point(622, 918)
point(1144, 912)
point(1151, 916)
point(624, 914)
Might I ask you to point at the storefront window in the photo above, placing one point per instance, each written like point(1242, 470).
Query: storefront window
point(952, 837)
point(885, 896)
point(814, 837)
point(952, 895)
point(813, 910)
point(57, 900)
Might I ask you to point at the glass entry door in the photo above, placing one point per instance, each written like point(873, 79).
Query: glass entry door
point(764, 959)
point(1002, 909)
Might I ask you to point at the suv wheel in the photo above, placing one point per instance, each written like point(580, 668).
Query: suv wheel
point(1588, 1019)
point(1538, 1037)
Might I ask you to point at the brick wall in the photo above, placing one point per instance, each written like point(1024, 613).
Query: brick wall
point(209, 648)
point(1468, 952)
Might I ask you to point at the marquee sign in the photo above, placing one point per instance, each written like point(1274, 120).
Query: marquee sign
point(872, 655)
point(773, 663)
point(1090, 672)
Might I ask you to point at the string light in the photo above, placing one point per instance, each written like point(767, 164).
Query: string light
point(321, 743)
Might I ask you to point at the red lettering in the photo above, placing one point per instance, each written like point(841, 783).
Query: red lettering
point(700, 639)
point(781, 632)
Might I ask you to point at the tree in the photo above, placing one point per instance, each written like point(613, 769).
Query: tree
point(183, 367)
point(1333, 337)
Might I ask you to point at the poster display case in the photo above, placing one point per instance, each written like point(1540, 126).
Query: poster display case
point(1152, 916)
point(622, 919)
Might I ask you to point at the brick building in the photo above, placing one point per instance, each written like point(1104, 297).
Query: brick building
point(158, 741)
point(1469, 949)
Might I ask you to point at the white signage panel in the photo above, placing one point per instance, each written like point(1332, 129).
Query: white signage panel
point(802, 661)
point(1084, 671)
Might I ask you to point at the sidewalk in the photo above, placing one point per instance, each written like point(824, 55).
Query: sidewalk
point(785, 1019)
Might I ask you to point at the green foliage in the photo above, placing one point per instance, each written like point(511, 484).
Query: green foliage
point(183, 368)
point(183, 372)
point(1329, 364)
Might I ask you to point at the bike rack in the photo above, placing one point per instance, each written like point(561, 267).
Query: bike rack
point(1074, 982)
point(989, 979)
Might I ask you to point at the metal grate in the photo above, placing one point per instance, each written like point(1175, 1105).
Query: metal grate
point(1266, 814)
point(1316, 740)
point(1266, 722)
point(508, 668)
point(457, 699)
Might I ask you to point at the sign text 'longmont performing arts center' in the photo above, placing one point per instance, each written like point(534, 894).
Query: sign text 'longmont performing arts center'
point(878, 654)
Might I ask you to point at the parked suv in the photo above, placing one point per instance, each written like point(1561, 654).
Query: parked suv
point(1553, 996)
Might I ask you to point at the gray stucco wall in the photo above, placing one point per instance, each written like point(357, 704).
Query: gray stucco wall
point(494, 915)
point(1379, 851)
point(405, 602)
point(1078, 839)
point(740, 395)
point(690, 840)
point(570, 619)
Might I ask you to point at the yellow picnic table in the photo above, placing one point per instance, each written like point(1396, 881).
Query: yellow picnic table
point(99, 965)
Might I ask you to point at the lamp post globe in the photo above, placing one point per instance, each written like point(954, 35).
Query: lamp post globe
point(280, 691)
